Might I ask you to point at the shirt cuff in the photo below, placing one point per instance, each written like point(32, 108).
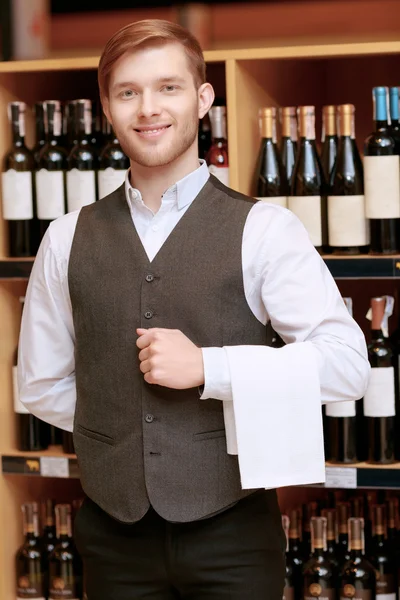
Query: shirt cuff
point(217, 377)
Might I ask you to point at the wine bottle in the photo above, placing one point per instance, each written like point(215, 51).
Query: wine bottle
point(70, 132)
point(319, 577)
point(341, 425)
point(331, 534)
point(288, 147)
point(308, 198)
point(40, 130)
point(381, 181)
point(97, 140)
point(113, 164)
point(82, 161)
point(217, 157)
point(329, 141)
point(379, 399)
point(394, 129)
point(29, 560)
point(31, 431)
point(381, 557)
point(17, 187)
point(204, 139)
point(49, 537)
point(271, 184)
point(392, 511)
point(347, 223)
point(294, 554)
point(310, 509)
point(357, 577)
point(288, 590)
point(343, 515)
point(68, 442)
point(65, 563)
point(51, 170)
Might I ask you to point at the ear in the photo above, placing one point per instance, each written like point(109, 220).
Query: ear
point(206, 97)
point(106, 109)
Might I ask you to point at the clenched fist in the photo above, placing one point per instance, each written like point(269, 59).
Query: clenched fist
point(167, 357)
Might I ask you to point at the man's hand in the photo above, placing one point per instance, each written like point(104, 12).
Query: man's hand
point(167, 357)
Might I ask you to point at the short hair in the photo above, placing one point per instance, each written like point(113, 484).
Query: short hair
point(150, 32)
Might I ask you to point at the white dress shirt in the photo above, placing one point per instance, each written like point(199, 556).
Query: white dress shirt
point(272, 397)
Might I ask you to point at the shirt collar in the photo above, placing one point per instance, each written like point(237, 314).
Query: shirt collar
point(183, 192)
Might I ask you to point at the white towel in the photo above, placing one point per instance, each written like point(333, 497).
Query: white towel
point(274, 423)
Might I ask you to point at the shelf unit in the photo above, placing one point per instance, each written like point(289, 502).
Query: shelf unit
point(248, 79)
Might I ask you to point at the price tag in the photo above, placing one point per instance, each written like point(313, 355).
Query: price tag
point(54, 466)
point(341, 477)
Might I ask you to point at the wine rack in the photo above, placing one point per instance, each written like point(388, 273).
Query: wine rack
point(248, 79)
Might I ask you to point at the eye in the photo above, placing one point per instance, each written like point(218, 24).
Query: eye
point(127, 94)
point(170, 88)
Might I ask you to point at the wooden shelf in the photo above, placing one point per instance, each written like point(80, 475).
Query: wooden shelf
point(363, 475)
point(48, 463)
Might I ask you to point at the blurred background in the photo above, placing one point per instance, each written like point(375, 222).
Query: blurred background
point(51, 28)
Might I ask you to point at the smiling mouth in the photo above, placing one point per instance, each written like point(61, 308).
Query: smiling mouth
point(154, 131)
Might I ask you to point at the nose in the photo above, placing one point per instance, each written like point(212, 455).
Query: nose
point(148, 105)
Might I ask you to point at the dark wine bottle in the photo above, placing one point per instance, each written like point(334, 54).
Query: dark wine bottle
point(381, 180)
point(97, 140)
point(294, 554)
point(379, 400)
point(51, 170)
point(31, 431)
point(289, 588)
point(49, 537)
point(65, 563)
point(82, 161)
point(394, 129)
point(18, 189)
point(331, 534)
point(288, 147)
point(329, 140)
point(29, 559)
point(271, 184)
point(40, 130)
point(343, 515)
point(308, 199)
point(381, 557)
point(357, 577)
point(392, 511)
point(113, 164)
point(319, 573)
point(70, 133)
point(310, 509)
point(217, 156)
point(68, 442)
point(204, 139)
point(347, 222)
point(341, 425)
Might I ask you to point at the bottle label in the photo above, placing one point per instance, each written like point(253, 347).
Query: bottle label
point(379, 399)
point(17, 195)
point(19, 408)
point(50, 194)
point(349, 591)
point(109, 180)
point(316, 592)
point(279, 200)
point(81, 189)
point(340, 409)
point(221, 173)
point(385, 587)
point(347, 223)
point(308, 210)
point(288, 593)
point(60, 589)
point(30, 587)
point(382, 187)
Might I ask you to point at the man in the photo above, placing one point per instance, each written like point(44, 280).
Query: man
point(144, 332)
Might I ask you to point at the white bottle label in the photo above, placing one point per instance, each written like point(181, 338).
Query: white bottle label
point(109, 180)
point(221, 173)
point(19, 408)
point(382, 187)
point(340, 409)
point(279, 200)
point(385, 596)
point(50, 194)
point(81, 189)
point(308, 210)
point(379, 399)
point(17, 195)
point(347, 223)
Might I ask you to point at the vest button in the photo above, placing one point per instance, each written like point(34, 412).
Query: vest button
point(149, 418)
point(149, 278)
point(148, 314)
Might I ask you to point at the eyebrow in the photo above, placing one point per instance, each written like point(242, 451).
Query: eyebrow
point(169, 79)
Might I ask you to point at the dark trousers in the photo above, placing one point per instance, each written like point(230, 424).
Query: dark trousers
point(238, 554)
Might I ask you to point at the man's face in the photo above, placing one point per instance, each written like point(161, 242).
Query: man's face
point(154, 104)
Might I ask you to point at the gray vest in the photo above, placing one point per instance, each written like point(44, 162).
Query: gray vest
point(139, 444)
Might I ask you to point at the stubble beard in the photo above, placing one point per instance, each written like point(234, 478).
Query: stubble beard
point(165, 155)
